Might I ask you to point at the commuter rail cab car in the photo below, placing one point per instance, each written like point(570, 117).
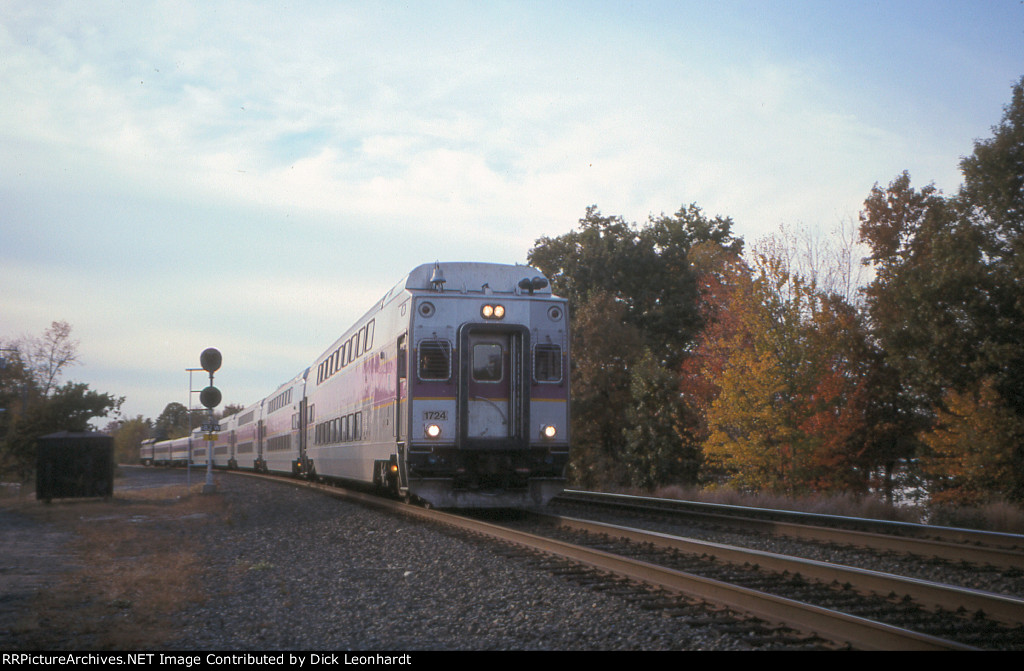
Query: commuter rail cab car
point(453, 389)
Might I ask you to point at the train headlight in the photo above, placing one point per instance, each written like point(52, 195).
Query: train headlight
point(492, 311)
point(548, 431)
point(432, 431)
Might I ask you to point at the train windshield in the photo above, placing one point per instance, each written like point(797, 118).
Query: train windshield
point(487, 362)
point(435, 360)
point(547, 363)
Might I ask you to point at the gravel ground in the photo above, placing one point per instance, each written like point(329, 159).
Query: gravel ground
point(290, 569)
point(31, 556)
point(293, 570)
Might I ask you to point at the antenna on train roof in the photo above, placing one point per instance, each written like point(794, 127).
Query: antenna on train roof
point(437, 278)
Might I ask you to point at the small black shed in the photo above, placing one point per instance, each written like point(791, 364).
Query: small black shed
point(74, 465)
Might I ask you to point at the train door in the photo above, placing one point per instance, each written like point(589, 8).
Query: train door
point(402, 413)
point(308, 467)
point(401, 391)
point(489, 387)
point(492, 387)
point(261, 433)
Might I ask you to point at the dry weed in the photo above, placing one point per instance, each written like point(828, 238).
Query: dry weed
point(137, 565)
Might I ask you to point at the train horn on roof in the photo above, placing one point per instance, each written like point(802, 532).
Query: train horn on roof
point(437, 278)
point(532, 285)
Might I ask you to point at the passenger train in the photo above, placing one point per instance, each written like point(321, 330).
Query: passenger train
point(453, 389)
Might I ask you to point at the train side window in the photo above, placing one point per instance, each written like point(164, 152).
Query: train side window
point(435, 360)
point(547, 363)
point(487, 365)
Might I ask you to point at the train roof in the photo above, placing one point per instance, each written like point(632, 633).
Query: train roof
point(468, 277)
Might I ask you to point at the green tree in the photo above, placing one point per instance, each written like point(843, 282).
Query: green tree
point(929, 302)
point(646, 269)
point(662, 434)
point(68, 408)
point(992, 199)
point(128, 437)
point(175, 422)
point(33, 402)
point(947, 305)
point(604, 347)
point(230, 409)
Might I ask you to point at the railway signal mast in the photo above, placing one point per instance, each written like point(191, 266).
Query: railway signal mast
point(210, 397)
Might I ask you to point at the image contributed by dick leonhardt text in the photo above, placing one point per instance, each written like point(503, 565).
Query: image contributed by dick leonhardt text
point(291, 659)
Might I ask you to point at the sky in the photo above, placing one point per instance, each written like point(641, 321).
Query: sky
point(252, 176)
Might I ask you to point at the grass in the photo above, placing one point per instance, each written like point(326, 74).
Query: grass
point(998, 516)
point(995, 516)
point(845, 505)
point(136, 560)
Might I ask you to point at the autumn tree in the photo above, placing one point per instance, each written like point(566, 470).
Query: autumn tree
point(753, 435)
point(634, 304)
point(833, 411)
point(787, 365)
point(971, 454)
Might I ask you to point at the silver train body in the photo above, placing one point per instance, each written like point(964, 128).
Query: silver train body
point(452, 389)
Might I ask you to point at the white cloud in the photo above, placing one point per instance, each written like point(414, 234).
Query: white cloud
point(186, 171)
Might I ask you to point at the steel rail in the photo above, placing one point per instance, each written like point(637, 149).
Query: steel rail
point(1000, 557)
point(1001, 607)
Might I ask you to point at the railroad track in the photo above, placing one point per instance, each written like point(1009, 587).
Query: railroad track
point(998, 550)
point(800, 602)
point(947, 616)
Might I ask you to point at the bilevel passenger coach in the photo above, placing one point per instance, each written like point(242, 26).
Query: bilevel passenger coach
point(452, 389)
